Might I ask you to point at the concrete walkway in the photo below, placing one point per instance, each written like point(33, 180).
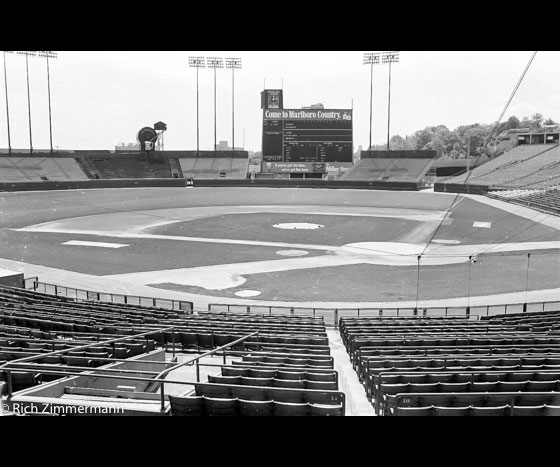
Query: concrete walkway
point(348, 382)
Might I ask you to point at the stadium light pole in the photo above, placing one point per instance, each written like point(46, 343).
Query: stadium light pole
point(28, 96)
point(233, 63)
point(527, 282)
point(471, 261)
point(7, 107)
point(47, 55)
point(371, 58)
point(389, 57)
point(214, 62)
point(417, 284)
point(197, 62)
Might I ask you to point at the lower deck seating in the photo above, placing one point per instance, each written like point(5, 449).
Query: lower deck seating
point(502, 404)
point(210, 406)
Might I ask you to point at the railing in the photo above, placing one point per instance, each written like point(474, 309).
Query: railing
point(82, 294)
point(27, 364)
point(332, 315)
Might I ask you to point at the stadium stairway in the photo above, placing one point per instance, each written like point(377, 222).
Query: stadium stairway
point(357, 403)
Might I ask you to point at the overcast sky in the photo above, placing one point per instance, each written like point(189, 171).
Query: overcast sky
point(101, 99)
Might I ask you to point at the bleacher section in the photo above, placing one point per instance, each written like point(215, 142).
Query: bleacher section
point(108, 165)
point(402, 170)
point(213, 168)
point(392, 166)
point(505, 365)
point(543, 200)
point(285, 369)
point(525, 166)
point(136, 166)
point(24, 169)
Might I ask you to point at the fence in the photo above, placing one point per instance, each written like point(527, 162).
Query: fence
point(332, 315)
point(82, 294)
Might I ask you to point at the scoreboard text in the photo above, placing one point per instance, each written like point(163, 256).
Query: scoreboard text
point(315, 135)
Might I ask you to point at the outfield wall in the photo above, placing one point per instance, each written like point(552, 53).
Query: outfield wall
point(461, 188)
point(182, 182)
point(88, 184)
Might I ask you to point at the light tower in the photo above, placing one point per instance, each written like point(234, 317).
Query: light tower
point(197, 62)
point(233, 63)
point(371, 58)
point(214, 62)
point(389, 57)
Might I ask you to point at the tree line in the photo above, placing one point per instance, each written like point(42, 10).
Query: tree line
point(475, 139)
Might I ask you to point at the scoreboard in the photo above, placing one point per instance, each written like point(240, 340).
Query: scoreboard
point(307, 135)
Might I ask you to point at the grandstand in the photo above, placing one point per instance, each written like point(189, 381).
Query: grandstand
point(123, 166)
point(220, 167)
point(50, 346)
point(23, 169)
point(502, 365)
point(106, 165)
point(547, 200)
point(391, 166)
point(522, 166)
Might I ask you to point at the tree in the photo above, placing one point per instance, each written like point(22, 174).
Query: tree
point(512, 123)
point(397, 143)
point(537, 118)
point(549, 121)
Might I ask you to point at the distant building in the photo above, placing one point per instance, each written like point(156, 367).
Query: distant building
point(224, 146)
point(128, 147)
point(357, 155)
point(315, 106)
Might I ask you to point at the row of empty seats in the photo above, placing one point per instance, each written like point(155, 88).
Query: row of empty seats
point(510, 166)
point(212, 168)
point(433, 365)
point(288, 363)
point(399, 170)
point(547, 200)
point(203, 405)
point(26, 169)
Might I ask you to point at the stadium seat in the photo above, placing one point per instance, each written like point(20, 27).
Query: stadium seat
point(325, 410)
point(498, 411)
point(484, 386)
point(189, 340)
point(220, 392)
point(423, 387)
point(451, 411)
point(232, 371)
point(253, 408)
point(414, 411)
point(322, 385)
point(187, 406)
point(224, 379)
point(551, 411)
point(205, 341)
point(221, 407)
point(249, 393)
point(512, 386)
point(542, 386)
point(248, 381)
point(454, 387)
point(297, 375)
point(533, 411)
point(261, 373)
point(277, 395)
point(294, 384)
point(286, 409)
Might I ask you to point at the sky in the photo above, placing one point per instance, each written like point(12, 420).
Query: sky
point(101, 99)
